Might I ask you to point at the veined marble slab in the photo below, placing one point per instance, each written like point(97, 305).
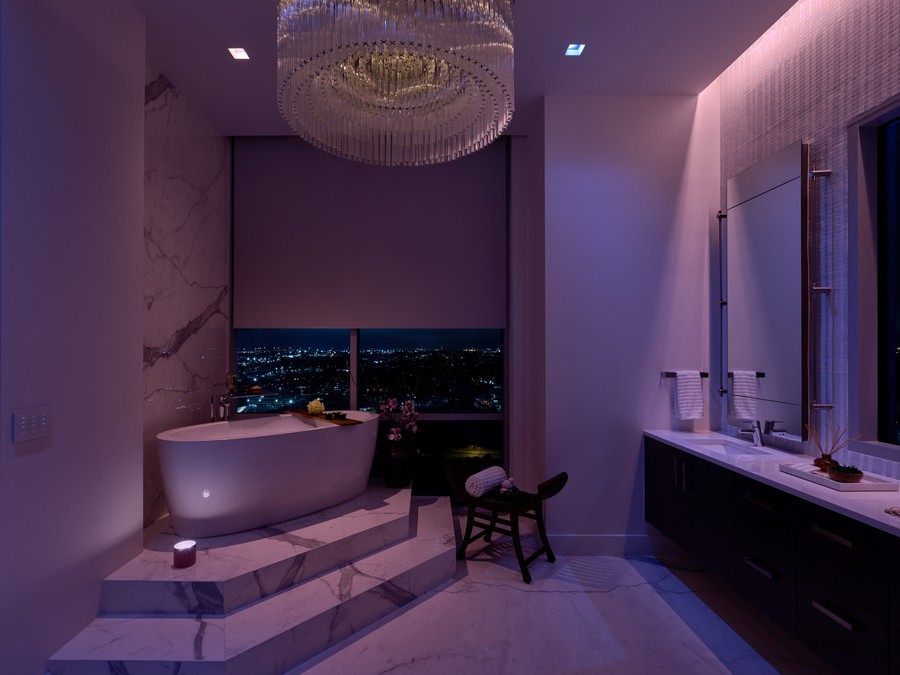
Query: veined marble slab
point(285, 629)
point(237, 569)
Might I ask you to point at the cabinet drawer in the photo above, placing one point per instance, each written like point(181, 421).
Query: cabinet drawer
point(768, 583)
point(843, 633)
point(664, 501)
point(846, 556)
point(710, 492)
point(713, 547)
point(766, 517)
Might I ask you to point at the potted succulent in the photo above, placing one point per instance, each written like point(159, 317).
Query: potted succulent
point(844, 474)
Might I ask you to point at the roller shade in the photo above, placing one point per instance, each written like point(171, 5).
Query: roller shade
point(321, 242)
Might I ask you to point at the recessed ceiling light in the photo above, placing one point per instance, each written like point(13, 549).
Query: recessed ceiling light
point(574, 49)
point(238, 53)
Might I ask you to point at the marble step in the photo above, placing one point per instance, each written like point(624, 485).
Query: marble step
point(238, 569)
point(282, 630)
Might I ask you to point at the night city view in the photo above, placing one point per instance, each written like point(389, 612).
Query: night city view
point(455, 372)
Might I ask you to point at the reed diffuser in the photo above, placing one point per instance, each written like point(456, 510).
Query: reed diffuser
point(838, 442)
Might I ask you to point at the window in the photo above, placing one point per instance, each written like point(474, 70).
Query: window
point(443, 371)
point(292, 367)
point(888, 237)
point(454, 376)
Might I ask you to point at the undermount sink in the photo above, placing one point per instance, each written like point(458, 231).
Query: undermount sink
point(735, 449)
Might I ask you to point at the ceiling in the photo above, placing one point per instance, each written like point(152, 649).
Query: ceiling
point(633, 47)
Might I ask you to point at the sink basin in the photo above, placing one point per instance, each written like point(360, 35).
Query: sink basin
point(732, 449)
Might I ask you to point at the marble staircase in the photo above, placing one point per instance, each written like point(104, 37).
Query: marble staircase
point(266, 600)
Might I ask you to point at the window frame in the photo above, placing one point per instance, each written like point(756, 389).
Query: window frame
point(862, 320)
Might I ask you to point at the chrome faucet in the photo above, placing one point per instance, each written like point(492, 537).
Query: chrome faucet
point(757, 435)
point(750, 428)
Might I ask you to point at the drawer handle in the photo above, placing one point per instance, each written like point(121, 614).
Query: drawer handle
point(767, 573)
point(843, 623)
point(818, 529)
point(758, 502)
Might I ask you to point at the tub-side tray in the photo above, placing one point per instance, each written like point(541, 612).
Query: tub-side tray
point(344, 422)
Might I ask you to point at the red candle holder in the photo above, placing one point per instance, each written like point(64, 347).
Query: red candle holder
point(185, 554)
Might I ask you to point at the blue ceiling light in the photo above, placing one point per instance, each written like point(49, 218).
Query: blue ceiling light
point(574, 49)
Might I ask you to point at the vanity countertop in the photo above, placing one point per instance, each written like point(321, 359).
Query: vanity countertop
point(866, 507)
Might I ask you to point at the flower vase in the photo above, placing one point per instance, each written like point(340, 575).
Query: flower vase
point(398, 462)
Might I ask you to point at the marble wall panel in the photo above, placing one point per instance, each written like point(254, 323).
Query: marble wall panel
point(187, 232)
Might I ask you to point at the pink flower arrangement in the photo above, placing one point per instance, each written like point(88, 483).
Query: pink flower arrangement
point(401, 418)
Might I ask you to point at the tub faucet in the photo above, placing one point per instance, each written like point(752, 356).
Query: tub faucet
point(218, 407)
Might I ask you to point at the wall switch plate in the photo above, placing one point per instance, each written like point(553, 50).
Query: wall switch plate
point(31, 423)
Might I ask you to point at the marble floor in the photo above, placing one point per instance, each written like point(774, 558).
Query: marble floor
point(582, 615)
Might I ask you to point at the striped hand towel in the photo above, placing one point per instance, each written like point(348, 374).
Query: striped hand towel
point(485, 481)
point(743, 394)
point(688, 395)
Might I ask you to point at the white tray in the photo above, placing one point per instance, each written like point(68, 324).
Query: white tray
point(869, 483)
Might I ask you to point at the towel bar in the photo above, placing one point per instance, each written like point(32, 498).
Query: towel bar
point(759, 374)
point(671, 373)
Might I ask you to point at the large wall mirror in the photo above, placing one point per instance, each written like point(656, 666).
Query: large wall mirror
point(766, 291)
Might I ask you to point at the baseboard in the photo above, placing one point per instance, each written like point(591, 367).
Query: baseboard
point(601, 544)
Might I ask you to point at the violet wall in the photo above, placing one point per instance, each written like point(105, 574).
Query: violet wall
point(631, 195)
point(71, 191)
point(187, 242)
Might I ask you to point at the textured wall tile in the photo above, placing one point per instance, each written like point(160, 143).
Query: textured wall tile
point(822, 65)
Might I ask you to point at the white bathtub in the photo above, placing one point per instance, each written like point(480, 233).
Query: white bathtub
point(225, 477)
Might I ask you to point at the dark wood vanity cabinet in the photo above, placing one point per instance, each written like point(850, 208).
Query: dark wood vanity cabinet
point(766, 572)
point(832, 581)
point(665, 502)
point(849, 557)
point(766, 516)
point(843, 602)
point(709, 533)
point(841, 631)
point(689, 500)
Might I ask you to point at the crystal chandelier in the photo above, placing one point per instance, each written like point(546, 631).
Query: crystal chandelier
point(396, 82)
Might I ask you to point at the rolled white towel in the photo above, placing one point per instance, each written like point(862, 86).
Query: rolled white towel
point(485, 481)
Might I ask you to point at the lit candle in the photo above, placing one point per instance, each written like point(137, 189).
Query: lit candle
point(185, 554)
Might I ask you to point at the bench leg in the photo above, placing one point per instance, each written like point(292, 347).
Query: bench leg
point(514, 525)
point(488, 533)
point(539, 517)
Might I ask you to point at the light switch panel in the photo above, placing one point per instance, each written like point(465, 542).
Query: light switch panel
point(31, 423)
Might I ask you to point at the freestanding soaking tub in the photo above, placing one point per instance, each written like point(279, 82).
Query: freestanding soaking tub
point(225, 477)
